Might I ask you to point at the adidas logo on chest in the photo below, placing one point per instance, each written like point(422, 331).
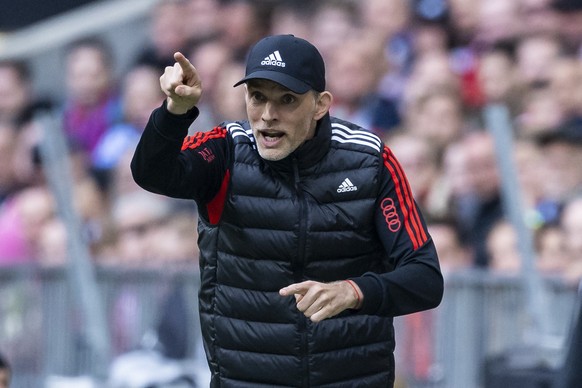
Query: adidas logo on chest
point(346, 186)
point(273, 59)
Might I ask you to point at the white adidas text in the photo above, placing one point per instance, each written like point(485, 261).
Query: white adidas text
point(272, 63)
point(346, 186)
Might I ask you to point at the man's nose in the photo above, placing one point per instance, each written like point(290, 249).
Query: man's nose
point(269, 112)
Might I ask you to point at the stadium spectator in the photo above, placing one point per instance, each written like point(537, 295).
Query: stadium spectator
point(535, 56)
point(228, 103)
point(242, 22)
point(354, 81)
point(176, 240)
point(496, 22)
point(498, 81)
point(419, 156)
point(21, 219)
point(139, 95)
point(52, 249)
point(437, 116)
point(540, 15)
point(138, 218)
point(168, 31)
point(92, 103)
point(332, 24)
point(463, 22)
point(454, 255)
point(203, 18)
point(390, 23)
point(121, 181)
point(565, 82)
point(561, 150)
point(432, 76)
point(476, 200)
point(550, 245)
point(211, 56)
point(292, 18)
point(386, 19)
point(540, 112)
point(502, 249)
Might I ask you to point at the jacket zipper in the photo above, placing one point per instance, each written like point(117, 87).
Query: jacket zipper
point(298, 270)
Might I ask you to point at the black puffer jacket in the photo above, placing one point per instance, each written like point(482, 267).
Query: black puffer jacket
point(339, 207)
point(285, 222)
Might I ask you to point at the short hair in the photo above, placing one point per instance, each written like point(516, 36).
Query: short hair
point(94, 42)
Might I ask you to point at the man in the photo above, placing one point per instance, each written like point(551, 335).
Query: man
point(310, 240)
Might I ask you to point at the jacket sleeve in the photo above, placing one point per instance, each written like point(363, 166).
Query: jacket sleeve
point(414, 281)
point(168, 162)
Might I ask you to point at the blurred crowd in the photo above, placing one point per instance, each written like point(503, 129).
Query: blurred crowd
point(419, 73)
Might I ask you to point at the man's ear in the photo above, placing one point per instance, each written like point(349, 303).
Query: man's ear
point(323, 104)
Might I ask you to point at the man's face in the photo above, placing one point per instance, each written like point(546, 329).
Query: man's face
point(88, 75)
point(280, 119)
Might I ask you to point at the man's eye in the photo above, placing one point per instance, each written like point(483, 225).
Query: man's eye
point(288, 99)
point(257, 96)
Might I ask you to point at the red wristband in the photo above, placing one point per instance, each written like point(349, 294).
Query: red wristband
point(356, 292)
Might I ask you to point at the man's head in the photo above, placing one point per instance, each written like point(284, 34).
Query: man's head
point(285, 93)
point(562, 154)
point(89, 70)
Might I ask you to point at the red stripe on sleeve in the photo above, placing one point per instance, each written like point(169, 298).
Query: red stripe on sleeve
point(410, 201)
point(402, 202)
point(412, 222)
point(199, 138)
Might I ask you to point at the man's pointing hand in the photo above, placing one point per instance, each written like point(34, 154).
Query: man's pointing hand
point(181, 84)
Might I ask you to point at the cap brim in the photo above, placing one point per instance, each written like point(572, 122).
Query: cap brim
point(285, 80)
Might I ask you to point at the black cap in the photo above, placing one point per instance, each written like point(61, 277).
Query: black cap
point(290, 61)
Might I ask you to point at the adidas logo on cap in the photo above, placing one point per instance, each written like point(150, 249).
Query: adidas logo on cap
point(292, 62)
point(273, 59)
point(346, 186)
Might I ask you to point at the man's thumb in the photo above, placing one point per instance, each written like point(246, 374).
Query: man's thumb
point(181, 90)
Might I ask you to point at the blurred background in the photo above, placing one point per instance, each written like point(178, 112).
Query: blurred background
point(480, 100)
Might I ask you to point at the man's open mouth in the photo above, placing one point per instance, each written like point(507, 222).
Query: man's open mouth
point(271, 136)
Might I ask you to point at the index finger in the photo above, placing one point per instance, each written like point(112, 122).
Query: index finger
point(294, 289)
point(187, 67)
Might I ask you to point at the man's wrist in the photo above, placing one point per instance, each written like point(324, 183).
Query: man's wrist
point(177, 109)
point(357, 294)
